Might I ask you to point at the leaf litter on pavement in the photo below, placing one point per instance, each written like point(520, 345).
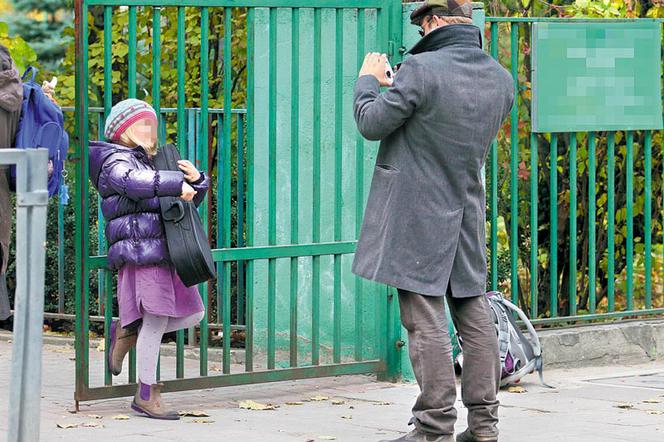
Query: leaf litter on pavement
point(256, 406)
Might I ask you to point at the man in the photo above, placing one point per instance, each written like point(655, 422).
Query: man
point(424, 226)
point(11, 98)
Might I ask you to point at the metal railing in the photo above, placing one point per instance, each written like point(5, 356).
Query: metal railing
point(309, 256)
point(31, 202)
point(593, 281)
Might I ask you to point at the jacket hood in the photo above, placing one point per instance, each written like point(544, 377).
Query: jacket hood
point(11, 88)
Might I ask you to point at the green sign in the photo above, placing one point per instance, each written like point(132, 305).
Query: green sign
point(596, 76)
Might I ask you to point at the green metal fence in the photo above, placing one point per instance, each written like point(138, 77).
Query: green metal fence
point(290, 181)
point(574, 184)
point(282, 177)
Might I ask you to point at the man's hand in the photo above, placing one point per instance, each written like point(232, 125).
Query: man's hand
point(375, 64)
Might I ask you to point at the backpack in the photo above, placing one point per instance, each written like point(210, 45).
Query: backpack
point(42, 125)
point(519, 355)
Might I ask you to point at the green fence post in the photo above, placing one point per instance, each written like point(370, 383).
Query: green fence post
point(514, 169)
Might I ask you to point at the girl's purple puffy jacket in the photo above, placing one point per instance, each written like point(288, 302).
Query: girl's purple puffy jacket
point(130, 188)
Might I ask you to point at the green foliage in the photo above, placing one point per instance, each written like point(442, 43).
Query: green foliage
point(21, 52)
point(41, 23)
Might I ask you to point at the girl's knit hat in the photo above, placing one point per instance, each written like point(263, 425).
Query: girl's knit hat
point(124, 114)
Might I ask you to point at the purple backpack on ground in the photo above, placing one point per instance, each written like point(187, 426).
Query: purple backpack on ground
point(519, 355)
point(42, 125)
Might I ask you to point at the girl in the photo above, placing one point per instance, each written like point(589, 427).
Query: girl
point(151, 297)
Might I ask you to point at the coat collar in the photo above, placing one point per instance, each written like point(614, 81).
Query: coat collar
point(451, 35)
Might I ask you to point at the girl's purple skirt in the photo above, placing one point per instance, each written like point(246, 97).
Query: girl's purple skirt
point(157, 290)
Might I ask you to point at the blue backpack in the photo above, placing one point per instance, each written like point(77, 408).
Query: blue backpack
point(42, 125)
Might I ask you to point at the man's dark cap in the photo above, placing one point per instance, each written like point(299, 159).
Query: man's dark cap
point(442, 8)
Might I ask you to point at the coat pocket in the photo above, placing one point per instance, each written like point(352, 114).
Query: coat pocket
point(428, 245)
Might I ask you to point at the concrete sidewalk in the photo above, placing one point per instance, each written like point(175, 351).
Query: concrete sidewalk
point(584, 407)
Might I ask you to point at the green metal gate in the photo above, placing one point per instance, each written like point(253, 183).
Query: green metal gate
point(302, 166)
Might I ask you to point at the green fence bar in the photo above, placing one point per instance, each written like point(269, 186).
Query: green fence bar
point(553, 227)
point(221, 208)
point(315, 309)
point(295, 175)
point(181, 131)
point(494, 181)
point(611, 222)
point(572, 223)
point(106, 278)
point(226, 184)
point(81, 206)
point(338, 167)
point(101, 236)
point(249, 338)
point(647, 213)
point(359, 193)
point(240, 217)
point(203, 151)
point(108, 318)
point(156, 60)
point(629, 195)
point(592, 227)
point(131, 55)
point(272, 227)
point(534, 263)
point(514, 181)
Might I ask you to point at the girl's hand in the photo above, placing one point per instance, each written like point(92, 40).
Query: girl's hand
point(188, 192)
point(191, 174)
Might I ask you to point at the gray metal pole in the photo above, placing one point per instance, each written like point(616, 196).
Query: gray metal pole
point(32, 200)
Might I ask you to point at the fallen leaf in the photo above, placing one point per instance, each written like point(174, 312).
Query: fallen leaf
point(625, 406)
point(338, 402)
point(382, 403)
point(327, 438)
point(102, 346)
point(655, 412)
point(67, 425)
point(652, 401)
point(193, 413)
point(516, 389)
point(346, 417)
point(95, 416)
point(121, 417)
point(294, 403)
point(202, 421)
point(92, 425)
point(319, 398)
point(251, 405)
point(215, 367)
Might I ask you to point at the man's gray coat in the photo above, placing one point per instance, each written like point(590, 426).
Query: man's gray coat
point(424, 224)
